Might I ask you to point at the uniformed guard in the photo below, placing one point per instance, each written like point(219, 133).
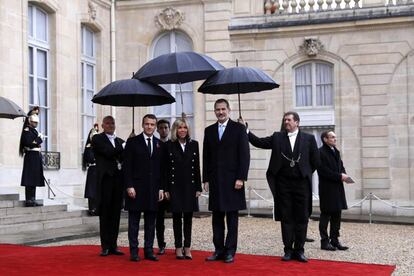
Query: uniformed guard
point(89, 164)
point(30, 147)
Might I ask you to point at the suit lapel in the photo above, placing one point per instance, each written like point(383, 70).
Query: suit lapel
point(228, 128)
point(106, 138)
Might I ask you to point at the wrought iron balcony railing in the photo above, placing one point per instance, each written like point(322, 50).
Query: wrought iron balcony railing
point(51, 160)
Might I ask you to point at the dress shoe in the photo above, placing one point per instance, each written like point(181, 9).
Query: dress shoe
point(228, 259)
point(104, 252)
point(287, 257)
point(309, 239)
point(151, 257)
point(161, 251)
point(134, 258)
point(214, 257)
point(339, 246)
point(327, 246)
point(29, 203)
point(187, 254)
point(179, 254)
point(301, 258)
point(116, 252)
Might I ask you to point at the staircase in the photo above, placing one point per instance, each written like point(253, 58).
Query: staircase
point(35, 225)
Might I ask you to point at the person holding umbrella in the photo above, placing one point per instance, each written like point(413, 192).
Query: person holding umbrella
point(226, 159)
point(30, 147)
point(182, 182)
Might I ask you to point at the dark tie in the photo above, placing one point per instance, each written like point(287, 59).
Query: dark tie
point(149, 146)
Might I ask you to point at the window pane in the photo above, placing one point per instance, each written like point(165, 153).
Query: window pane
point(162, 110)
point(41, 63)
point(89, 43)
point(30, 60)
point(162, 46)
point(30, 21)
point(89, 77)
point(303, 78)
point(31, 92)
point(89, 104)
point(187, 103)
point(324, 95)
point(41, 25)
point(42, 92)
point(182, 42)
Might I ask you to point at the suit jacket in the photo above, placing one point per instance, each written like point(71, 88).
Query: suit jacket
point(307, 165)
point(142, 172)
point(225, 161)
point(331, 188)
point(107, 157)
point(181, 175)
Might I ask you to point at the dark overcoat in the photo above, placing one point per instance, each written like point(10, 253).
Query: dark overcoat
point(181, 175)
point(142, 172)
point(107, 158)
point(224, 162)
point(307, 165)
point(90, 162)
point(331, 188)
point(32, 174)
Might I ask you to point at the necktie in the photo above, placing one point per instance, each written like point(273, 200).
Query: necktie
point(221, 130)
point(149, 146)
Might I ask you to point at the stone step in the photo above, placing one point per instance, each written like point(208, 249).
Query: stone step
point(40, 225)
point(40, 216)
point(9, 197)
point(15, 203)
point(14, 211)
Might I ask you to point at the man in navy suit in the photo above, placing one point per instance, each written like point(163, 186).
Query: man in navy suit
point(143, 180)
point(294, 158)
point(108, 150)
point(226, 159)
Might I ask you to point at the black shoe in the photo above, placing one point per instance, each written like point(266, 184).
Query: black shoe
point(287, 257)
point(134, 258)
point(179, 254)
point(215, 257)
point(116, 252)
point(301, 258)
point(187, 256)
point(228, 259)
point(104, 252)
point(161, 251)
point(29, 203)
point(327, 246)
point(309, 239)
point(339, 246)
point(151, 257)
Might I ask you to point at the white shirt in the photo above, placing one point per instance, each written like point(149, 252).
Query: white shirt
point(111, 138)
point(183, 146)
point(292, 138)
point(223, 126)
point(146, 141)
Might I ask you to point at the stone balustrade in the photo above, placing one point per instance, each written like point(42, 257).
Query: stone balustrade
point(309, 6)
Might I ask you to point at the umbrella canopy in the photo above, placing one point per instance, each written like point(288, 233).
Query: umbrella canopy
point(10, 110)
point(132, 92)
point(179, 67)
point(238, 80)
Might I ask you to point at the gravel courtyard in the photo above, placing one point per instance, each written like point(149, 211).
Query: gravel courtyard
point(375, 243)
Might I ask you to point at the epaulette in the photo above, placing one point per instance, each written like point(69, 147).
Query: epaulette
point(26, 129)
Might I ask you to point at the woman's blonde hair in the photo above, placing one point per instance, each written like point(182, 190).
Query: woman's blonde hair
point(179, 122)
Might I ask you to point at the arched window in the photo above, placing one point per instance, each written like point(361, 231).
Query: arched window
point(169, 43)
point(39, 47)
point(88, 85)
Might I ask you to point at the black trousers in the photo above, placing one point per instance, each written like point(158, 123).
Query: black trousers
point(334, 219)
point(294, 210)
point(160, 225)
point(30, 193)
point(110, 211)
point(178, 228)
point(149, 230)
point(228, 245)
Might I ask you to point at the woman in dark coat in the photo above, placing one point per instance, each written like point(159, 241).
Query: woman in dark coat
point(89, 163)
point(182, 182)
point(30, 148)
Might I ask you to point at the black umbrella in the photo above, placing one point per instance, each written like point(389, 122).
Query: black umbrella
point(179, 67)
point(238, 80)
point(132, 92)
point(10, 110)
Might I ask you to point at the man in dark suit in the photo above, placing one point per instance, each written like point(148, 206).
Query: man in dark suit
point(226, 160)
point(108, 150)
point(332, 199)
point(294, 158)
point(163, 129)
point(143, 180)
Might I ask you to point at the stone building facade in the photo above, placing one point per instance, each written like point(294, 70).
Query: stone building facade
point(347, 65)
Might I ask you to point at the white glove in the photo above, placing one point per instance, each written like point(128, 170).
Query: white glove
point(41, 136)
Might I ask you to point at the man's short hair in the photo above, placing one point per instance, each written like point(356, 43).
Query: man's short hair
point(222, 101)
point(325, 134)
point(294, 114)
point(163, 121)
point(109, 117)
point(149, 116)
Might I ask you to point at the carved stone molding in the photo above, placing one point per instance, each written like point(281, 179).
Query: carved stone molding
point(311, 46)
point(169, 19)
point(92, 7)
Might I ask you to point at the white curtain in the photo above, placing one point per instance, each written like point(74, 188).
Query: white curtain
point(324, 83)
point(303, 78)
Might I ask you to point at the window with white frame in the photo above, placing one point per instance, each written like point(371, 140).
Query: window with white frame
point(88, 68)
point(169, 43)
point(39, 47)
point(314, 85)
